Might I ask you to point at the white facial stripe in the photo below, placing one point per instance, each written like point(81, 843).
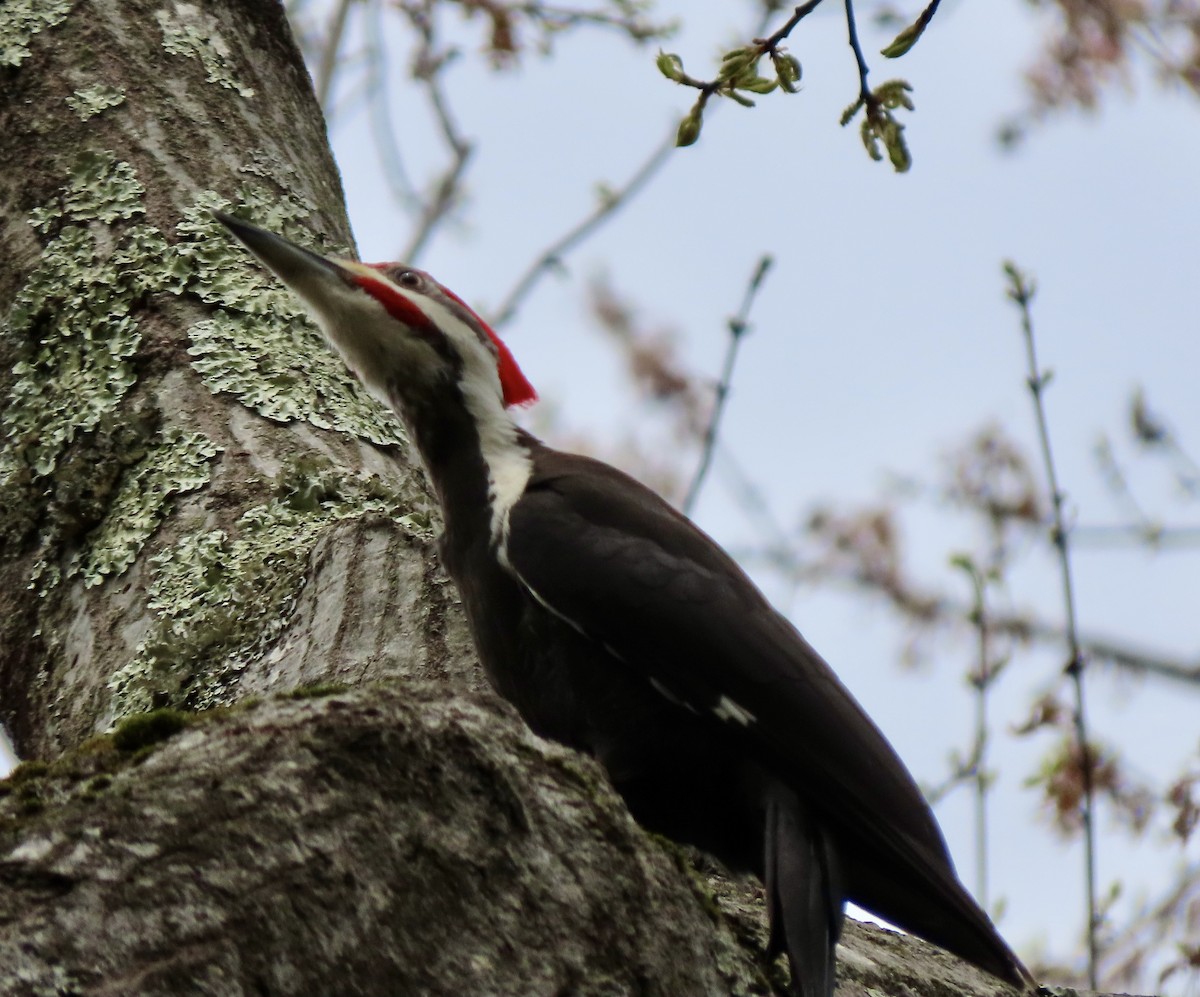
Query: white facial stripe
point(508, 463)
point(360, 329)
point(362, 269)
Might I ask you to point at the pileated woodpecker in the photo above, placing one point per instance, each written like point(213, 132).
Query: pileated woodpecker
point(615, 626)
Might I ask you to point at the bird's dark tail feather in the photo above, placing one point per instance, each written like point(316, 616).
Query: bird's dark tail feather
point(804, 892)
point(932, 903)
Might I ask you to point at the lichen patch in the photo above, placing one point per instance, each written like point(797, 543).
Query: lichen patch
point(190, 32)
point(75, 335)
point(177, 461)
point(262, 348)
point(87, 102)
point(21, 20)
point(223, 596)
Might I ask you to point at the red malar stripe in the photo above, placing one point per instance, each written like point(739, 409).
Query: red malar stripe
point(397, 306)
point(515, 385)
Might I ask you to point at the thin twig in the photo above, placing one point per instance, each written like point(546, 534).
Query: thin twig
point(379, 107)
point(1187, 473)
point(558, 18)
point(446, 189)
point(973, 768)
point(780, 554)
point(1021, 291)
point(864, 94)
point(982, 683)
point(724, 84)
point(551, 257)
point(1154, 434)
point(1165, 925)
point(771, 43)
point(738, 326)
point(1118, 484)
point(750, 498)
point(879, 123)
point(327, 64)
point(1150, 534)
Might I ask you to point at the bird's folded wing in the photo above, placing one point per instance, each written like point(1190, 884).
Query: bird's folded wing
point(619, 564)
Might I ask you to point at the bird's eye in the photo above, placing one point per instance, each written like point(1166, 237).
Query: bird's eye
point(408, 278)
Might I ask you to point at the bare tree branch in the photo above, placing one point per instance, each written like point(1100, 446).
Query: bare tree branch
point(613, 200)
point(1092, 47)
point(738, 326)
point(1021, 291)
point(929, 608)
point(331, 50)
point(428, 66)
point(1149, 534)
point(973, 768)
point(379, 105)
point(551, 257)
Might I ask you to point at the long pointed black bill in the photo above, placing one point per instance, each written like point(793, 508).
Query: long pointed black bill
point(300, 269)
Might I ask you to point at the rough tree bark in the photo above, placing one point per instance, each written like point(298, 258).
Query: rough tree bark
point(200, 511)
point(187, 473)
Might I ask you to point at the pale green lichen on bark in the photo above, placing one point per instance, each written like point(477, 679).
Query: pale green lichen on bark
point(72, 313)
point(103, 189)
point(261, 348)
point(20, 20)
point(177, 462)
point(78, 369)
point(87, 102)
point(74, 317)
point(75, 336)
point(190, 32)
point(224, 596)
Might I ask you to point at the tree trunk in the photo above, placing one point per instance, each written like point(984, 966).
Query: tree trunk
point(201, 508)
point(198, 500)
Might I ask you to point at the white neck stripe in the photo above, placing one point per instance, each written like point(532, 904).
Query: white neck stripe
point(508, 463)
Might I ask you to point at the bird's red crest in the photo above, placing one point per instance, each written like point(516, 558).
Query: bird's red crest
point(513, 382)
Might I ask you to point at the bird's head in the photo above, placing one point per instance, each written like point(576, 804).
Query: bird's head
point(403, 334)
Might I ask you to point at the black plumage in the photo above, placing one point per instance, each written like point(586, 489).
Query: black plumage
point(618, 627)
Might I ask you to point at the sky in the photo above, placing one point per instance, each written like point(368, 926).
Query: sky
point(881, 339)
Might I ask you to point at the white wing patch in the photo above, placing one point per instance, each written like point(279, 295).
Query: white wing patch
point(726, 709)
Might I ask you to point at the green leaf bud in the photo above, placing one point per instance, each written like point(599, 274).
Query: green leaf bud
point(904, 41)
point(670, 65)
point(759, 84)
point(689, 128)
point(787, 68)
point(897, 148)
point(870, 141)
